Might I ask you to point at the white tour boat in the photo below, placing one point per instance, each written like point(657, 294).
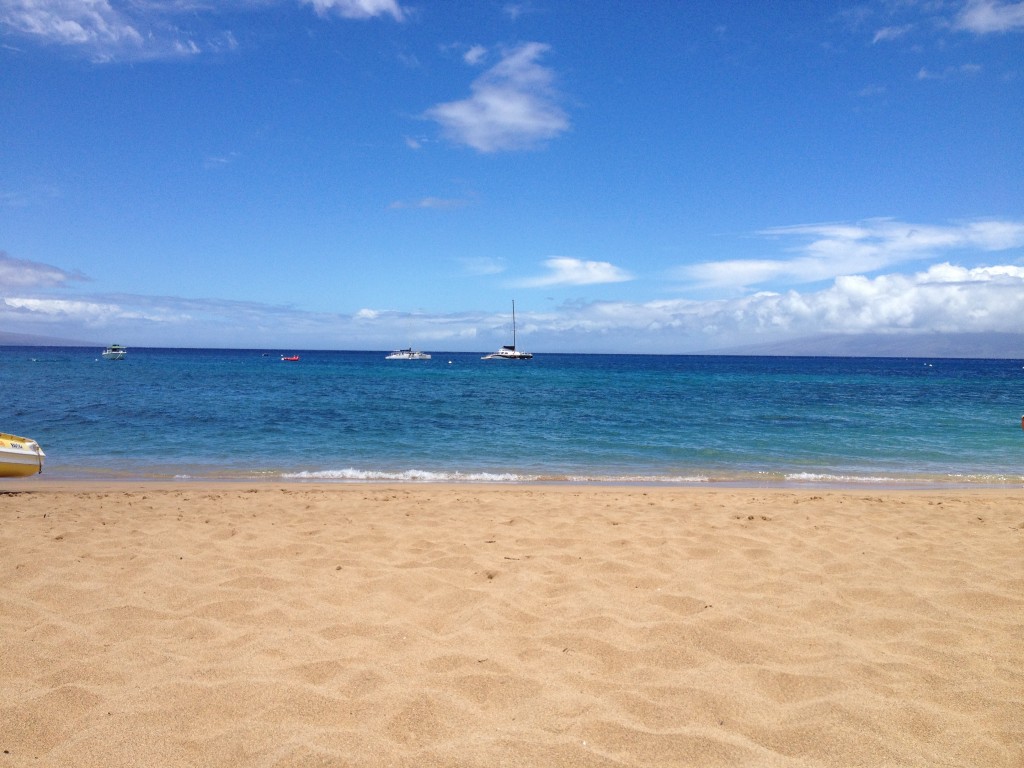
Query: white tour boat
point(407, 354)
point(115, 352)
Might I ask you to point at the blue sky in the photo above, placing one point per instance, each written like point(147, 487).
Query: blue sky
point(639, 177)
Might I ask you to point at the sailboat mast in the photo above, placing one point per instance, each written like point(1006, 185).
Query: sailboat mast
point(513, 323)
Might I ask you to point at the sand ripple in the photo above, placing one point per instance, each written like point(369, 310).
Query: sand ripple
point(511, 626)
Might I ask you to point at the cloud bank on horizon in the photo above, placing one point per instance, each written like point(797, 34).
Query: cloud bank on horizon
point(481, 161)
point(940, 298)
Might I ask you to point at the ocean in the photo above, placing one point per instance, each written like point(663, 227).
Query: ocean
point(205, 414)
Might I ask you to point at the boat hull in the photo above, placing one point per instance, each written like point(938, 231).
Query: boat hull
point(508, 353)
point(20, 457)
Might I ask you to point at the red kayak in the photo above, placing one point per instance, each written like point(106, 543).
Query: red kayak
point(292, 359)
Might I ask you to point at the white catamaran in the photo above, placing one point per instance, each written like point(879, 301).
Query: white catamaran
point(509, 351)
point(407, 354)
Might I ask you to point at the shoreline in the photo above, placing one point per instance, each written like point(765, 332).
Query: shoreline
point(276, 624)
point(809, 484)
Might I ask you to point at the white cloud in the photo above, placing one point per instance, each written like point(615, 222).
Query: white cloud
point(436, 203)
point(113, 30)
point(474, 55)
point(989, 16)
point(81, 312)
point(869, 91)
point(566, 271)
point(20, 273)
point(357, 9)
point(483, 265)
point(963, 70)
point(944, 299)
point(70, 22)
point(513, 105)
point(891, 33)
point(833, 250)
point(515, 10)
point(220, 161)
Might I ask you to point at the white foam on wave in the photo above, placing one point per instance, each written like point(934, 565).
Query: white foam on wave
point(965, 480)
point(642, 479)
point(423, 476)
point(812, 477)
point(410, 476)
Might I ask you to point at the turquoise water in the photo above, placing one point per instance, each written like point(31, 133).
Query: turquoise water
point(353, 416)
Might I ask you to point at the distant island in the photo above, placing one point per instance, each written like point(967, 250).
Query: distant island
point(35, 340)
point(991, 346)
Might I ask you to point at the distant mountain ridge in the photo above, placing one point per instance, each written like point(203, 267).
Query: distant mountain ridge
point(994, 346)
point(35, 340)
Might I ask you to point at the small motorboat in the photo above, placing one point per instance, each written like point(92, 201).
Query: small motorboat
point(20, 456)
point(289, 358)
point(407, 354)
point(114, 352)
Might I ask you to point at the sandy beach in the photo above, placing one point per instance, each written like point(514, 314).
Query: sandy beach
point(300, 625)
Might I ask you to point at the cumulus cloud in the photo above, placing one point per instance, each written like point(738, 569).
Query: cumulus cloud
point(989, 16)
point(513, 105)
point(566, 271)
point(827, 251)
point(944, 298)
point(20, 273)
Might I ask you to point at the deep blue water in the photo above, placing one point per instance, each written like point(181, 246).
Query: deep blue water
point(237, 414)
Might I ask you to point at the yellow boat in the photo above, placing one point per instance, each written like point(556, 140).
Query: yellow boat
point(19, 456)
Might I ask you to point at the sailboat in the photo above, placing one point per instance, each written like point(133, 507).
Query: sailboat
point(509, 351)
